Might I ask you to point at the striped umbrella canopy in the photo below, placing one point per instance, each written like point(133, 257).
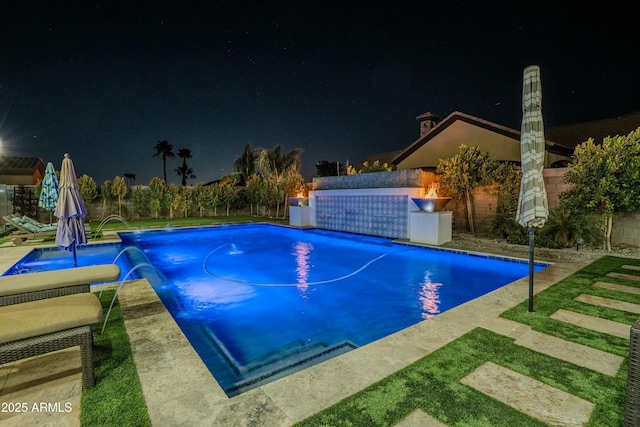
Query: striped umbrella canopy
point(533, 208)
point(70, 210)
point(49, 193)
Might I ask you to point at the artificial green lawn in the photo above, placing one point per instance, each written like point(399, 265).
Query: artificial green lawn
point(432, 384)
point(117, 399)
point(115, 224)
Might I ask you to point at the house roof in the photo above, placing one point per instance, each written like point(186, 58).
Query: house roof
point(573, 135)
point(20, 165)
point(551, 146)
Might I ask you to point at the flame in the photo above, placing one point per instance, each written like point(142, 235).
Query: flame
point(432, 191)
point(300, 194)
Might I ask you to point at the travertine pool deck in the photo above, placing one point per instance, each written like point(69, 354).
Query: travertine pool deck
point(179, 390)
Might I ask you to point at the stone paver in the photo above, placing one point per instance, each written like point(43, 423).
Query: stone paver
point(616, 287)
point(624, 276)
point(419, 418)
point(47, 388)
point(609, 303)
point(594, 323)
point(578, 354)
point(548, 404)
point(631, 267)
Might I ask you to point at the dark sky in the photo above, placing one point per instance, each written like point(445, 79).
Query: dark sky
point(106, 80)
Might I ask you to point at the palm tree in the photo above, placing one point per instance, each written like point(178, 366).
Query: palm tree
point(164, 149)
point(282, 170)
point(184, 171)
point(246, 163)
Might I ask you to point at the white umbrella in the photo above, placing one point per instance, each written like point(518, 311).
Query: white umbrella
point(70, 210)
point(533, 208)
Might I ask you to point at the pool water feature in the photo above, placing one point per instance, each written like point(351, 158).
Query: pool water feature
point(258, 302)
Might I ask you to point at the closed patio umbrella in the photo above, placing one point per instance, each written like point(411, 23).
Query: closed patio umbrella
point(533, 208)
point(70, 210)
point(49, 193)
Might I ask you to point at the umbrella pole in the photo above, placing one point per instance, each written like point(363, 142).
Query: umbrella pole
point(75, 258)
point(530, 269)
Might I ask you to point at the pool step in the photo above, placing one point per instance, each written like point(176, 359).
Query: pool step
point(305, 358)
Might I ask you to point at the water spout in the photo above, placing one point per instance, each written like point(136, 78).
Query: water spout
point(118, 290)
point(113, 217)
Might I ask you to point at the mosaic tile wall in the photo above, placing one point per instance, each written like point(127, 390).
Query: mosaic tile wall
point(384, 216)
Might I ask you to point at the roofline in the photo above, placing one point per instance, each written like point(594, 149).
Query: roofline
point(484, 124)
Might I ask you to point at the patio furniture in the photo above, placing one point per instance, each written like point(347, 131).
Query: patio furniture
point(48, 284)
point(28, 228)
point(632, 405)
point(39, 327)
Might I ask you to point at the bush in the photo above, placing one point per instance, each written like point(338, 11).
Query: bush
point(565, 228)
point(505, 226)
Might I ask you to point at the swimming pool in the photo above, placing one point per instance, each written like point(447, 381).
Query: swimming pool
point(258, 302)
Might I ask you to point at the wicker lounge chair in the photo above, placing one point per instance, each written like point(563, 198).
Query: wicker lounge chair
point(39, 327)
point(27, 228)
point(34, 286)
point(632, 404)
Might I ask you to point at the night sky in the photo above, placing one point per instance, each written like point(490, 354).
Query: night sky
point(106, 80)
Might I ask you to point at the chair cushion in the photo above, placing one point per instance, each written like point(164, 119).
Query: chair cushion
point(34, 318)
point(31, 282)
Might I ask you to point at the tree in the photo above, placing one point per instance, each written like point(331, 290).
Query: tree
point(376, 166)
point(246, 163)
point(253, 191)
point(184, 171)
point(175, 199)
point(201, 194)
point(140, 200)
point(106, 192)
point(163, 149)
point(158, 193)
point(461, 174)
point(120, 190)
point(279, 169)
point(605, 178)
point(186, 200)
point(327, 168)
point(88, 188)
point(215, 198)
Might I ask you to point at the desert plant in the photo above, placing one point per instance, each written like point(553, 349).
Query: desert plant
point(566, 228)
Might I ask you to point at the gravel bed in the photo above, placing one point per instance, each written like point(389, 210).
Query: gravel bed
point(500, 247)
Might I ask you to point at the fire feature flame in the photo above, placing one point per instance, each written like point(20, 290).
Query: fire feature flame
point(432, 192)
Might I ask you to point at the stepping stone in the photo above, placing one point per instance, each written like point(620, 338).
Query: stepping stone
point(525, 394)
point(616, 287)
point(624, 276)
point(572, 352)
point(608, 302)
point(419, 418)
point(594, 323)
point(631, 267)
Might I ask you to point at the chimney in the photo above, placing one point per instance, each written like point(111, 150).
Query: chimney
point(427, 122)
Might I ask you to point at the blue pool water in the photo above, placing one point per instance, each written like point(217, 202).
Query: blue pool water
point(258, 302)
